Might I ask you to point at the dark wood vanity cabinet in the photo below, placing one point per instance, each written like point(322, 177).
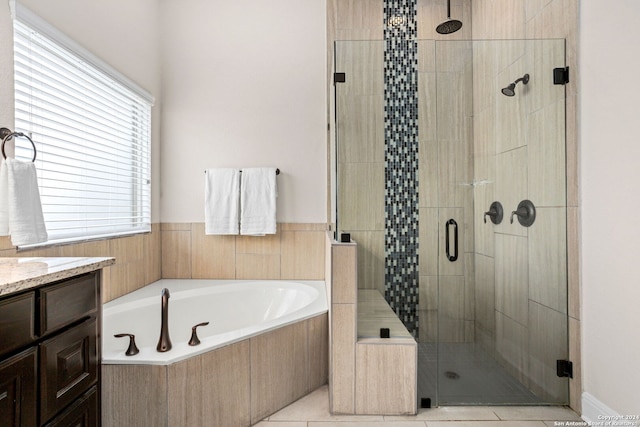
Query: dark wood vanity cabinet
point(50, 355)
point(18, 389)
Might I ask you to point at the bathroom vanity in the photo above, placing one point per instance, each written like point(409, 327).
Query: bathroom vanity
point(50, 314)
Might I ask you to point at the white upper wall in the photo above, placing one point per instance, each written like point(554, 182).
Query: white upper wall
point(237, 84)
point(610, 159)
point(7, 106)
point(244, 85)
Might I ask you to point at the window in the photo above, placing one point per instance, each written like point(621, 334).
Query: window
point(91, 127)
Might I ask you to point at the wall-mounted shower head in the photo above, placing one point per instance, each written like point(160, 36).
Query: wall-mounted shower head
point(511, 89)
point(450, 25)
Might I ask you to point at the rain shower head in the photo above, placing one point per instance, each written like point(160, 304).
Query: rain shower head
point(450, 25)
point(511, 89)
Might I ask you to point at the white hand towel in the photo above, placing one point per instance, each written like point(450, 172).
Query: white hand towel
point(221, 201)
point(26, 221)
point(258, 193)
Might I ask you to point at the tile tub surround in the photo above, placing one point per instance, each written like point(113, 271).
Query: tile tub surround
point(181, 250)
point(234, 386)
point(20, 274)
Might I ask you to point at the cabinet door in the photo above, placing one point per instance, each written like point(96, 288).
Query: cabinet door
point(67, 302)
point(68, 367)
point(18, 390)
point(83, 413)
point(16, 322)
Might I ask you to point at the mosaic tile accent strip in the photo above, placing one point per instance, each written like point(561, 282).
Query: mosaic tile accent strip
point(401, 160)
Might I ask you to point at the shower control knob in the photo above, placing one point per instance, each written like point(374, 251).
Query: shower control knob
point(526, 213)
point(495, 212)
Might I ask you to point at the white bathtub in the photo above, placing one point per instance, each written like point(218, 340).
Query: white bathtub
point(235, 309)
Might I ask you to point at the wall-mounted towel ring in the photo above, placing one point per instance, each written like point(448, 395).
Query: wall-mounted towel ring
point(7, 134)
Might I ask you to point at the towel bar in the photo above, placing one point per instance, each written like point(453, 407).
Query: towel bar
point(277, 171)
point(7, 134)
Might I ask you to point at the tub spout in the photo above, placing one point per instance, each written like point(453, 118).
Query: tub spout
point(164, 343)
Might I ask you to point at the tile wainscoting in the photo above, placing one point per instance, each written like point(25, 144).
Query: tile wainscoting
point(137, 259)
point(182, 250)
point(296, 251)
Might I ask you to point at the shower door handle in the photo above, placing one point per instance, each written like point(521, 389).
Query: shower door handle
point(452, 222)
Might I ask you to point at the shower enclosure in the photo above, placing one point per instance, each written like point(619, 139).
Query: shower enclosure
point(488, 189)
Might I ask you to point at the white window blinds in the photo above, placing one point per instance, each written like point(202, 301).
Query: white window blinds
point(93, 138)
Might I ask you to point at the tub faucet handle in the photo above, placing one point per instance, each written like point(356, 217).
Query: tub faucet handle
point(133, 349)
point(194, 336)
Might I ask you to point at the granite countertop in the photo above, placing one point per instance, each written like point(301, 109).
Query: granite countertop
point(20, 274)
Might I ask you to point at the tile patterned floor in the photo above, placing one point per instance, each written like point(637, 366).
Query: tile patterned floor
point(313, 411)
point(479, 379)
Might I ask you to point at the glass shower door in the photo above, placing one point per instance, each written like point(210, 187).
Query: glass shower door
point(502, 303)
point(492, 306)
point(360, 176)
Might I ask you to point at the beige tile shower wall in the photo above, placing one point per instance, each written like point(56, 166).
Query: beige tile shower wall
point(526, 142)
point(445, 81)
point(541, 123)
point(547, 335)
point(352, 20)
point(137, 259)
point(358, 19)
point(491, 330)
point(296, 251)
point(361, 129)
point(360, 148)
point(485, 302)
point(428, 194)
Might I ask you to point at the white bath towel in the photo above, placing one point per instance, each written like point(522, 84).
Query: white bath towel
point(258, 194)
point(26, 221)
point(221, 201)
